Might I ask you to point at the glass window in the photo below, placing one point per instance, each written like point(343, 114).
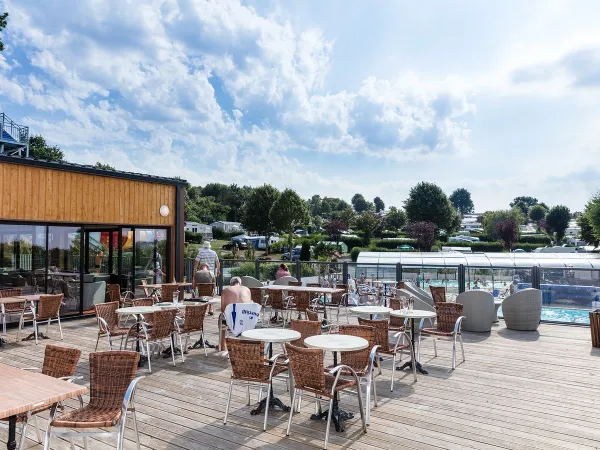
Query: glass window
point(63, 266)
point(151, 259)
point(22, 257)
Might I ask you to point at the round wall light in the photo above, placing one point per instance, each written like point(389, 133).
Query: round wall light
point(164, 210)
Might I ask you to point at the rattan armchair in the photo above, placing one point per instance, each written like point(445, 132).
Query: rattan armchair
point(8, 309)
point(112, 391)
point(306, 328)
point(396, 323)
point(114, 295)
point(206, 289)
point(362, 362)
point(280, 303)
point(168, 291)
point(301, 302)
point(59, 362)
point(311, 377)
point(295, 283)
point(193, 322)
point(156, 327)
point(249, 367)
point(448, 325)
point(47, 309)
point(108, 323)
point(438, 293)
point(390, 350)
point(313, 285)
point(259, 297)
point(312, 315)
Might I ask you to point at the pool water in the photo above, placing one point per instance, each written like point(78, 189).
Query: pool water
point(579, 316)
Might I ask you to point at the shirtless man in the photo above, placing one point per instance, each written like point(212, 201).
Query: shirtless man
point(235, 293)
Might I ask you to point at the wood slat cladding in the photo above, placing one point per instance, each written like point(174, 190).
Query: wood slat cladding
point(48, 195)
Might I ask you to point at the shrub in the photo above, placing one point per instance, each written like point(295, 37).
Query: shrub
point(389, 234)
point(355, 251)
point(277, 247)
point(394, 243)
point(194, 238)
point(351, 242)
point(243, 270)
point(535, 239)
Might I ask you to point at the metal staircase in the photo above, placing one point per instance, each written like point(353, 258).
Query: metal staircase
point(14, 139)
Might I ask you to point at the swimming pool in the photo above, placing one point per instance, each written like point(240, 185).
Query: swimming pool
point(564, 315)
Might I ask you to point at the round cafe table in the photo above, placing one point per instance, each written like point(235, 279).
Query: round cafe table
point(136, 311)
point(336, 343)
point(413, 314)
point(370, 310)
point(271, 336)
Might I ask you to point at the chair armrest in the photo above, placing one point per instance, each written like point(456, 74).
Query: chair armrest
point(103, 325)
point(273, 362)
point(400, 335)
point(31, 369)
point(337, 371)
point(71, 379)
point(458, 324)
point(129, 394)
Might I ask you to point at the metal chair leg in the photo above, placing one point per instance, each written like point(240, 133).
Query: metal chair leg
point(35, 330)
point(228, 401)
point(59, 327)
point(434, 346)
point(329, 422)
point(137, 433)
point(362, 410)
point(454, 353)
point(149, 357)
point(171, 339)
point(269, 388)
point(37, 429)
point(23, 437)
point(393, 373)
point(287, 433)
point(97, 341)
point(462, 348)
point(248, 394)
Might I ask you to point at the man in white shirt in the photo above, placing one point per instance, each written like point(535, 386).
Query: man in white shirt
point(207, 256)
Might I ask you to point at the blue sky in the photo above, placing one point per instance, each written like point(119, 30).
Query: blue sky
point(328, 98)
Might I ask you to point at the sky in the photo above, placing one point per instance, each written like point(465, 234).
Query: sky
point(331, 98)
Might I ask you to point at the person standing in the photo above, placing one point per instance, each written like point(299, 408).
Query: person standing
point(207, 256)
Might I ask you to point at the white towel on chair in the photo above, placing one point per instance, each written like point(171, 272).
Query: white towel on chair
point(241, 317)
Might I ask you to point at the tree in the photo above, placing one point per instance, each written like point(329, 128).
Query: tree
point(396, 218)
point(592, 212)
point(347, 215)
point(524, 209)
point(38, 149)
point(101, 165)
point(537, 213)
point(379, 205)
point(367, 223)
point(528, 201)
point(427, 203)
point(288, 212)
point(3, 23)
point(423, 232)
point(508, 232)
point(256, 211)
point(557, 220)
point(360, 204)
point(491, 218)
point(461, 200)
point(334, 229)
point(587, 230)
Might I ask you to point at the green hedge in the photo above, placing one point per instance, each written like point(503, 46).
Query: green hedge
point(194, 238)
point(535, 239)
point(475, 246)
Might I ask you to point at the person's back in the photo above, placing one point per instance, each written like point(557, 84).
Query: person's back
point(235, 294)
point(204, 275)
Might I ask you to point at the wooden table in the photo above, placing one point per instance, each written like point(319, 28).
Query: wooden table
point(22, 391)
point(271, 336)
point(413, 314)
point(336, 343)
point(371, 310)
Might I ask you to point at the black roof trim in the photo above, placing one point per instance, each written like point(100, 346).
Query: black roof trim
point(80, 168)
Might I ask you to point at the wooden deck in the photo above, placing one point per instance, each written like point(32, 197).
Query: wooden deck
point(516, 390)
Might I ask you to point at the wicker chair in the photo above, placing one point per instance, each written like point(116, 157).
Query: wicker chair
point(114, 295)
point(396, 323)
point(8, 309)
point(112, 391)
point(310, 376)
point(147, 292)
point(157, 327)
point(47, 309)
point(295, 283)
point(438, 293)
point(306, 328)
point(387, 350)
point(59, 362)
point(145, 301)
point(312, 316)
point(362, 362)
point(167, 292)
point(301, 302)
point(249, 367)
point(108, 323)
point(206, 289)
point(279, 303)
point(449, 321)
point(193, 322)
point(523, 310)
point(338, 301)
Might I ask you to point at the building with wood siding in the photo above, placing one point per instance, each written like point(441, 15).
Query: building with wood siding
point(73, 229)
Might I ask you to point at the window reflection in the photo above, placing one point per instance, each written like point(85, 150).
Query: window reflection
point(151, 262)
point(22, 257)
point(63, 265)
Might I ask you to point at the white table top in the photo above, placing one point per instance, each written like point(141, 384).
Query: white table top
point(386, 281)
point(278, 287)
point(273, 335)
point(370, 309)
point(138, 310)
point(414, 314)
point(158, 286)
point(336, 342)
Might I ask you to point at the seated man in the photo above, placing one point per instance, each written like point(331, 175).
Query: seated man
point(235, 293)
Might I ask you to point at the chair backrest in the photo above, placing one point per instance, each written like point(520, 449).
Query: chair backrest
point(342, 286)
point(167, 291)
point(438, 293)
point(396, 304)
point(295, 283)
point(114, 292)
point(12, 307)
point(257, 295)
point(358, 360)
point(107, 311)
point(194, 318)
point(12, 292)
point(276, 299)
point(48, 307)
point(302, 300)
point(284, 281)
point(381, 332)
point(339, 298)
point(307, 367)
point(163, 323)
point(523, 310)
point(206, 289)
point(250, 282)
point(306, 328)
point(247, 359)
point(478, 309)
point(149, 301)
point(312, 315)
point(110, 376)
point(447, 315)
point(60, 361)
